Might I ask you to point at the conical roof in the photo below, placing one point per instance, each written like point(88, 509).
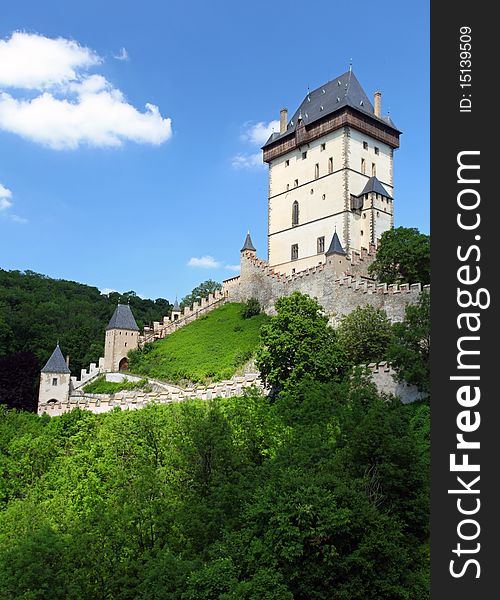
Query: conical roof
point(374, 185)
point(335, 246)
point(176, 307)
point(122, 319)
point(248, 245)
point(56, 363)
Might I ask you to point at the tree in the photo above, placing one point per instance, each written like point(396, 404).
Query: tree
point(298, 341)
point(250, 309)
point(409, 351)
point(364, 334)
point(200, 291)
point(402, 257)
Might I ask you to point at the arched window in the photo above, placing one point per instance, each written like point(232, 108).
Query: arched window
point(295, 213)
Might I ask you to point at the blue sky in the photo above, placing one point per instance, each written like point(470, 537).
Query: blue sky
point(128, 133)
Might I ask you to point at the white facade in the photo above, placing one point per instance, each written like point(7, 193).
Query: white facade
point(117, 345)
point(54, 387)
point(320, 177)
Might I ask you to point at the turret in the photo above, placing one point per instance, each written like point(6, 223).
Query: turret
point(176, 311)
point(55, 379)
point(336, 255)
point(122, 335)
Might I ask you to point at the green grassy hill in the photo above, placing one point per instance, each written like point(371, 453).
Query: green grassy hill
point(209, 349)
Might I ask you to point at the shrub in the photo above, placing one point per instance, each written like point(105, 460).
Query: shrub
point(250, 309)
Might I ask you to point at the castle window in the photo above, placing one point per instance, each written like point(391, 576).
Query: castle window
point(295, 213)
point(316, 171)
point(287, 163)
point(54, 381)
point(296, 183)
point(295, 251)
point(365, 145)
point(376, 150)
point(374, 169)
point(125, 344)
point(322, 147)
point(323, 197)
point(311, 191)
point(364, 215)
point(321, 244)
point(363, 166)
point(330, 164)
point(304, 155)
point(287, 187)
point(362, 232)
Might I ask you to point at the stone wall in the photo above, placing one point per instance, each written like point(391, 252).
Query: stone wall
point(132, 400)
point(383, 376)
point(337, 295)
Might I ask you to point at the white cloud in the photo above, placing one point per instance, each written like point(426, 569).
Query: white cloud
point(122, 55)
point(73, 108)
point(6, 204)
point(32, 61)
point(259, 133)
point(106, 291)
point(234, 268)
point(248, 161)
point(205, 262)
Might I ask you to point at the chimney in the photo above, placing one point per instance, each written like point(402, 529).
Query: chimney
point(283, 119)
point(67, 360)
point(377, 99)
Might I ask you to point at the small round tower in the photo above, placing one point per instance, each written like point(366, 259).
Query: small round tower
point(55, 380)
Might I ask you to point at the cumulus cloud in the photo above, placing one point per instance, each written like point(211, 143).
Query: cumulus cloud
point(73, 107)
point(5, 198)
point(255, 134)
point(258, 133)
point(233, 268)
point(122, 55)
point(247, 161)
point(205, 262)
point(32, 61)
point(6, 204)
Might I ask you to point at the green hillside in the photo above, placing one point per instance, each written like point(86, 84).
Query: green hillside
point(209, 349)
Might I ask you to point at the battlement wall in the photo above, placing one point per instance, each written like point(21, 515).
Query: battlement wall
point(188, 315)
point(133, 400)
point(384, 377)
point(338, 295)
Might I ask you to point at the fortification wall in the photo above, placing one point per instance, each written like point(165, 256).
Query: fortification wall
point(338, 295)
point(188, 315)
point(133, 400)
point(383, 376)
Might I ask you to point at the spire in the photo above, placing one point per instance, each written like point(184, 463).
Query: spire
point(248, 244)
point(122, 319)
point(176, 307)
point(335, 246)
point(56, 363)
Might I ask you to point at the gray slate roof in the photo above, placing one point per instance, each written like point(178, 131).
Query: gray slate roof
point(335, 246)
point(342, 91)
point(374, 185)
point(122, 319)
point(176, 307)
point(56, 363)
point(248, 245)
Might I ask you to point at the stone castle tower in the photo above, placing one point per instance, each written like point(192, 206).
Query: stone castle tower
point(330, 169)
point(122, 335)
point(55, 378)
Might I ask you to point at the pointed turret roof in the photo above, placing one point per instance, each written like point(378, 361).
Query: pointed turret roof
point(56, 363)
point(122, 319)
point(248, 244)
point(338, 93)
point(335, 246)
point(176, 307)
point(374, 185)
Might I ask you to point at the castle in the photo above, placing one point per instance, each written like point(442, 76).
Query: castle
point(331, 189)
